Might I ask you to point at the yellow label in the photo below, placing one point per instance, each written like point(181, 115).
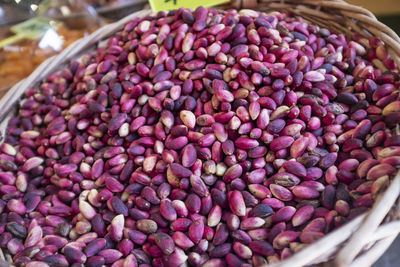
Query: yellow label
point(160, 5)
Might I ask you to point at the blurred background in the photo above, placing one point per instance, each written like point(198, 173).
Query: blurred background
point(33, 30)
point(388, 11)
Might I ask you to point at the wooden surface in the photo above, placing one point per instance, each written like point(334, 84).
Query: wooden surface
point(379, 7)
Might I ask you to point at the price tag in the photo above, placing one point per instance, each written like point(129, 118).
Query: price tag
point(160, 5)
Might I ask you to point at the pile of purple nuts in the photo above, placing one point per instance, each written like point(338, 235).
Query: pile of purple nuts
point(199, 138)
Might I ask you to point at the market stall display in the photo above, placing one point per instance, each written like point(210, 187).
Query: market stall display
point(208, 137)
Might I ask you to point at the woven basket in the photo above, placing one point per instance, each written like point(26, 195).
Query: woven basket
point(358, 243)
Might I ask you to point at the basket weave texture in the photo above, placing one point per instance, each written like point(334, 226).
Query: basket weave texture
point(358, 243)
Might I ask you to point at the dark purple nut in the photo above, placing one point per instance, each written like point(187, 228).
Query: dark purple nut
point(221, 234)
point(17, 230)
point(141, 256)
point(261, 210)
point(110, 255)
point(283, 215)
point(180, 171)
point(219, 197)
point(262, 247)
point(74, 255)
point(193, 203)
point(241, 236)
point(362, 129)
point(249, 199)
point(150, 195)
point(198, 186)
point(94, 247)
point(347, 98)
point(98, 225)
point(342, 192)
point(308, 160)
point(8, 165)
point(328, 160)
point(136, 236)
point(56, 260)
point(159, 220)
point(117, 121)
point(118, 206)
point(328, 197)
point(95, 261)
point(392, 141)
point(352, 144)
point(221, 250)
point(164, 242)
